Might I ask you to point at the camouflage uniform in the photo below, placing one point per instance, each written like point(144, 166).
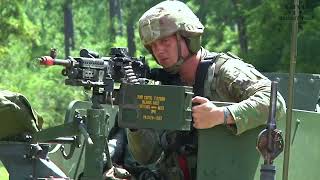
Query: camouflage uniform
point(240, 82)
point(235, 81)
point(17, 115)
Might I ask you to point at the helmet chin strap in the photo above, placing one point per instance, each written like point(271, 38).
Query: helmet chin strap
point(174, 69)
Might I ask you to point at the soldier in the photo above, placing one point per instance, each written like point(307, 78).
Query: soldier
point(171, 32)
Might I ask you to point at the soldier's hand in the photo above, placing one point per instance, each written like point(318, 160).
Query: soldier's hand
point(206, 114)
point(117, 173)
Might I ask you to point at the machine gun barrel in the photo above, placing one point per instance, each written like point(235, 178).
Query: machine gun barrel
point(49, 61)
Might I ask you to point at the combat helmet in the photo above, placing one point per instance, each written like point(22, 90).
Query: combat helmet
point(168, 18)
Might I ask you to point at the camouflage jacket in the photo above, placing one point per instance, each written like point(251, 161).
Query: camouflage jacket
point(241, 83)
point(17, 116)
point(235, 81)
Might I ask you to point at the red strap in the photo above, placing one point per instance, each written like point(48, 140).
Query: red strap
point(184, 167)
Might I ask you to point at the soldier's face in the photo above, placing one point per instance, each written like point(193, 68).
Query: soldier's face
point(165, 51)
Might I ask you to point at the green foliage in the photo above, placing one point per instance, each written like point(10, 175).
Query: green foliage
point(308, 44)
point(269, 36)
point(27, 36)
point(268, 26)
point(30, 28)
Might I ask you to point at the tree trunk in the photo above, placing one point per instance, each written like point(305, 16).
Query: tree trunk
point(115, 24)
point(242, 34)
point(130, 36)
point(130, 28)
point(241, 27)
point(119, 16)
point(112, 15)
point(68, 28)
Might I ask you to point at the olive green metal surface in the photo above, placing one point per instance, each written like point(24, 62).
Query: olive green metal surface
point(157, 107)
point(75, 165)
point(224, 156)
point(221, 155)
point(306, 89)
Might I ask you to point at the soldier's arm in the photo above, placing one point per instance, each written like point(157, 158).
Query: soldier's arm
point(243, 84)
point(144, 145)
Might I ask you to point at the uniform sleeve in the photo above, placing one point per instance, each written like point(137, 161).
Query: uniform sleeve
point(242, 83)
point(144, 145)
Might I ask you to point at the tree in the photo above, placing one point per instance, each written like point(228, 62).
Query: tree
point(68, 28)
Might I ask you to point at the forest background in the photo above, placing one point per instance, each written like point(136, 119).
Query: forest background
point(256, 30)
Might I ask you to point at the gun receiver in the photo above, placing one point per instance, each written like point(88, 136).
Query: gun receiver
point(90, 69)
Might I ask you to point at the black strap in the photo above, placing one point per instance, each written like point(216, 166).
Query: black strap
point(202, 71)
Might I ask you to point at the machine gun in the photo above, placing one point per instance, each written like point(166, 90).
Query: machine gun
point(97, 74)
point(89, 70)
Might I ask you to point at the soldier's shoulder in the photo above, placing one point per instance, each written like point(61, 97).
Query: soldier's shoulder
point(228, 55)
point(226, 62)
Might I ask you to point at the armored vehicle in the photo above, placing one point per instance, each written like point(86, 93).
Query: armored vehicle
point(77, 149)
point(85, 146)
